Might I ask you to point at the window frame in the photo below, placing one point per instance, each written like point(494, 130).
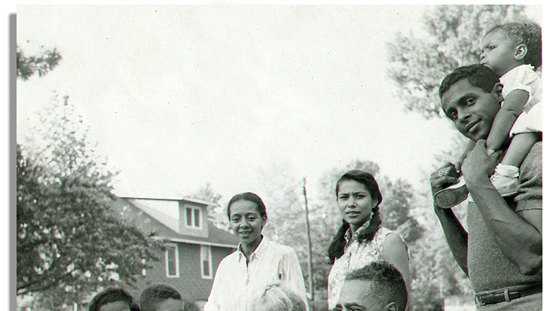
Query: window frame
point(176, 261)
point(209, 250)
point(193, 219)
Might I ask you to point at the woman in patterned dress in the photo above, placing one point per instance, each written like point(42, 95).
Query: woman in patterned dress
point(361, 239)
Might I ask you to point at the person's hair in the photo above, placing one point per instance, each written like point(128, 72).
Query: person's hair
point(155, 294)
point(277, 297)
point(109, 295)
point(529, 34)
point(386, 280)
point(338, 244)
point(478, 75)
point(248, 196)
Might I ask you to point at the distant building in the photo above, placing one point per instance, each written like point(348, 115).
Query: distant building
point(194, 247)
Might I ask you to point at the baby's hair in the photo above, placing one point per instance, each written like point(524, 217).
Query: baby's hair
point(529, 34)
point(276, 297)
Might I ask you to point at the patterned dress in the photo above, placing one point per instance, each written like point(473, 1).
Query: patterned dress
point(356, 255)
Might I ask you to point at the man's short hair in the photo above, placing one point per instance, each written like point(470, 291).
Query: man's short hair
point(155, 294)
point(108, 296)
point(478, 75)
point(386, 280)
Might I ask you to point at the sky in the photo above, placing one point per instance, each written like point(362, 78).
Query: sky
point(177, 96)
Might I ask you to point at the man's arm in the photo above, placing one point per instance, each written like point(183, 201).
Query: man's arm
point(456, 236)
point(518, 236)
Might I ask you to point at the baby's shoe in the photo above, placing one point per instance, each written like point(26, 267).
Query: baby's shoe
point(452, 195)
point(506, 179)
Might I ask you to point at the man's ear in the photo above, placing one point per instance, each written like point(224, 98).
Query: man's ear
point(497, 91)
point(392, 306)
point(521, 51)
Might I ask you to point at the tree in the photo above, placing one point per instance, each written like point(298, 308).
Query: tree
point(27, 66)
point(419, 61)
point(70, 241)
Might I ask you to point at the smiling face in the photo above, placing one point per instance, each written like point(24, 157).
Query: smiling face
point(499, 52)
point(245, 221)
point(355, 202)
point(471, 109)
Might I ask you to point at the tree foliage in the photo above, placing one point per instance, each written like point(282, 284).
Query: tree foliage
point(419, 61)
point(27, 66)
point(69, 240)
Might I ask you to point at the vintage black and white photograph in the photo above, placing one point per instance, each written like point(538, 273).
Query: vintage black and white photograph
point(278, 157)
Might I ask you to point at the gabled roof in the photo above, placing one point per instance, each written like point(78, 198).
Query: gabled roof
point(169, 198)
point(216, 236)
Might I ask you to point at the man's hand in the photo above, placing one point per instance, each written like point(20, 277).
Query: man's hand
point(478, 165)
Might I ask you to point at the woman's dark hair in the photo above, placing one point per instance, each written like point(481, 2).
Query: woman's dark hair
point(338, 244)
point(248, 196)
point(108, 296)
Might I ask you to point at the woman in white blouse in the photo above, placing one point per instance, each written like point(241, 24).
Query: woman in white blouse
point(257, 262)
point(361, 239)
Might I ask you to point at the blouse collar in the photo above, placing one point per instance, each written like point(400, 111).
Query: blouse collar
point(257, 253)
point(350, 236)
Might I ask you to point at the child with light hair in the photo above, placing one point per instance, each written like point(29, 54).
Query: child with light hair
point(277, 297)
point(514, 52)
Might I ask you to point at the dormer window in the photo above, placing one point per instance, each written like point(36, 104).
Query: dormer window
point(193, 217)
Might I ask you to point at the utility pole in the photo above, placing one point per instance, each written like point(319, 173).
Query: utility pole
point(309, 260)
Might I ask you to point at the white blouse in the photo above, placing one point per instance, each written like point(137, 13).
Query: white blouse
point(237, 283)
point(356, 256)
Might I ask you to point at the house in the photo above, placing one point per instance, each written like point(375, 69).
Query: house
point(194, 247)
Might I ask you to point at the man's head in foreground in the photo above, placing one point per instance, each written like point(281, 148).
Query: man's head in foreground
point(375, 287)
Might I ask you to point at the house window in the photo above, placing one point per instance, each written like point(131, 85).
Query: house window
point(172, 261)
point(193, 217)
point(206, 262)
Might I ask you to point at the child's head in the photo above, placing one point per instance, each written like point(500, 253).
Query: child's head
point(161, 297)
point(507, 46)
point(111, 299)
point(277, 298)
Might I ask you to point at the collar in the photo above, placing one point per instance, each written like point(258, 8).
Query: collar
point(350, 236)
point(257, 253)
point(517, 69)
